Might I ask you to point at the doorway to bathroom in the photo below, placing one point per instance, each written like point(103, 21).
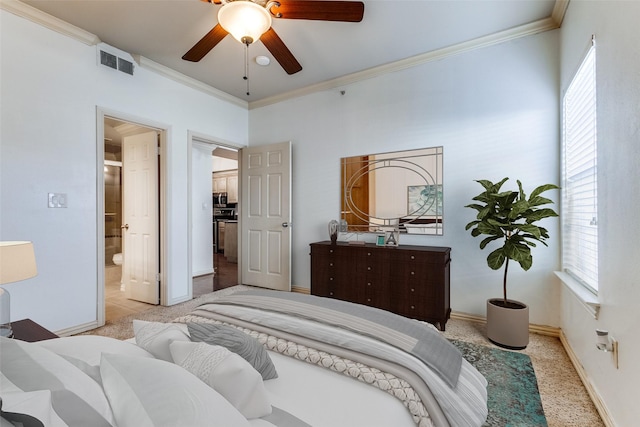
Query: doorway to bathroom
point(131, 226)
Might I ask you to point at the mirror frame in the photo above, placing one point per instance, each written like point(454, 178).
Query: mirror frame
point(415, 178)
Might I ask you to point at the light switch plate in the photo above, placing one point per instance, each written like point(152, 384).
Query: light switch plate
point(57, 200)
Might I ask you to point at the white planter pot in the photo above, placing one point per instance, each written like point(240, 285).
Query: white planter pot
point(508, 326)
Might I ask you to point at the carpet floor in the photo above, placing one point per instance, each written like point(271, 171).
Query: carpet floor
point(564, 399)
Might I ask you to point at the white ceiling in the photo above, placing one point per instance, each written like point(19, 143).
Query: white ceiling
point(391, 30)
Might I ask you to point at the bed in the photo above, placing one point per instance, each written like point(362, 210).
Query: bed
point(250, 358)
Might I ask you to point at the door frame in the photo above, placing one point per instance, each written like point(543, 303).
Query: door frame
point(196, 137)
point(163, 130)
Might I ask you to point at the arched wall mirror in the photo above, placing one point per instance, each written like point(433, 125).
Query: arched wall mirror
point(400, 190)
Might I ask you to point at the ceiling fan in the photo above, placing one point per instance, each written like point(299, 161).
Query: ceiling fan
point(250, 20)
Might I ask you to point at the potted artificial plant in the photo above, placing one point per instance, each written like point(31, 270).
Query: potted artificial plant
point(509, 218)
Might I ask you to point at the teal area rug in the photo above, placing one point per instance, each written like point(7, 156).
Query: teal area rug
point(514, 399)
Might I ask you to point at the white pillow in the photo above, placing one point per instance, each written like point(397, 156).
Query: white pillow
point(89, 348)
point(34, 403)
point(85, 351)
point(29, 367)
point(228, 373)
point(155, 337)
point(153, 393)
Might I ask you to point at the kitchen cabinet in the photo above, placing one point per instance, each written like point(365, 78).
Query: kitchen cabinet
point(226, 182)
point(232, 188)
point(413, 281)
point(219, 184)
point(231, 241)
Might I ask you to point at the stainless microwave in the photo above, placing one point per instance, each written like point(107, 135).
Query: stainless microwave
point(220, 200)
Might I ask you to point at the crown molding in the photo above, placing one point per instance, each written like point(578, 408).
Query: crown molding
point(58, 25)
point(551, 23)
point(532, 28)
point(188, 81)
point(559, 10)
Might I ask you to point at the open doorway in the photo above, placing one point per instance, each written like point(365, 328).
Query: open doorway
point(226, 205)
point(214, 216)
point(131, 282)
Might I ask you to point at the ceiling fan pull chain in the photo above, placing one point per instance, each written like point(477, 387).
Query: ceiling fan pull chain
point(246, 65)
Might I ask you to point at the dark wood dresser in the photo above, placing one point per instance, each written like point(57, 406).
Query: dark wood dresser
point(409, 280)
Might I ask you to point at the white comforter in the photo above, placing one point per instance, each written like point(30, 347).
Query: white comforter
point(464, 405)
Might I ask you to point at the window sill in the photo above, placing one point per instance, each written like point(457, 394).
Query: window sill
point(588, 300)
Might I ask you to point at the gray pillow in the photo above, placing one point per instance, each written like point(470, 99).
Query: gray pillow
point(236, 341)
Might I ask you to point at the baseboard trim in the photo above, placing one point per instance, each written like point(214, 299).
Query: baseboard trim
point(300, 290)
point(77, 329)
point(550, 331)
point(593, 394)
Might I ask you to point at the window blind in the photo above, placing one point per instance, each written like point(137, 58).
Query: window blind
point(580, 185)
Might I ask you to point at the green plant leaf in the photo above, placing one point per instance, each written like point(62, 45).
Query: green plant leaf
point(487, 228)
point(471, 224)
point(537, 215)
point(485, 183)
point(542, 189)
point(533, 230)
point(526, 262)
point(496, 259)
point(539, 201)
point(517, 251)
point(488, 240)
point(475, 206)
point(518, 208)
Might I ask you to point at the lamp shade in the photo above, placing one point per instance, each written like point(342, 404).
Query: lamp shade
point(17, 261)
point(245, 20)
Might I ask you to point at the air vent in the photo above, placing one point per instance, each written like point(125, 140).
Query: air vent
point(115, 58)
point(125, 66)
point(108, 59)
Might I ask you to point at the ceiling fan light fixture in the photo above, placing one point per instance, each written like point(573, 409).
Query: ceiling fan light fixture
point(245, 20)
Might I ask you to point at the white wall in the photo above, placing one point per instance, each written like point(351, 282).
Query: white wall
point(495, 111)
point(615, 25)
point(51, 87)
point(201, 209)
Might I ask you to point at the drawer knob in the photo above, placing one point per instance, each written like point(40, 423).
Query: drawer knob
point(330, 264)
point(368, 299)
point(368, 283)
point(330, 278)
point(413, 290)
point(413, 307)
point(330, 251)
point(331, 293)
point(413, 273)
point(368, 268)
point(368, 253)
point(413, 257)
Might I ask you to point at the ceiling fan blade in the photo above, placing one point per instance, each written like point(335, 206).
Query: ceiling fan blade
point(208, 42)
point(346, 11)
point(280, 52)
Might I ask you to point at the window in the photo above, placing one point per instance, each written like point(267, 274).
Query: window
point(579, 176)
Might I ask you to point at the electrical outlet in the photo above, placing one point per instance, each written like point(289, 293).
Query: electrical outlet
point(57, 200)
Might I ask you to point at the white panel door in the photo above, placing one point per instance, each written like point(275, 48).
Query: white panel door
point(266, 216)
point(140, 230)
